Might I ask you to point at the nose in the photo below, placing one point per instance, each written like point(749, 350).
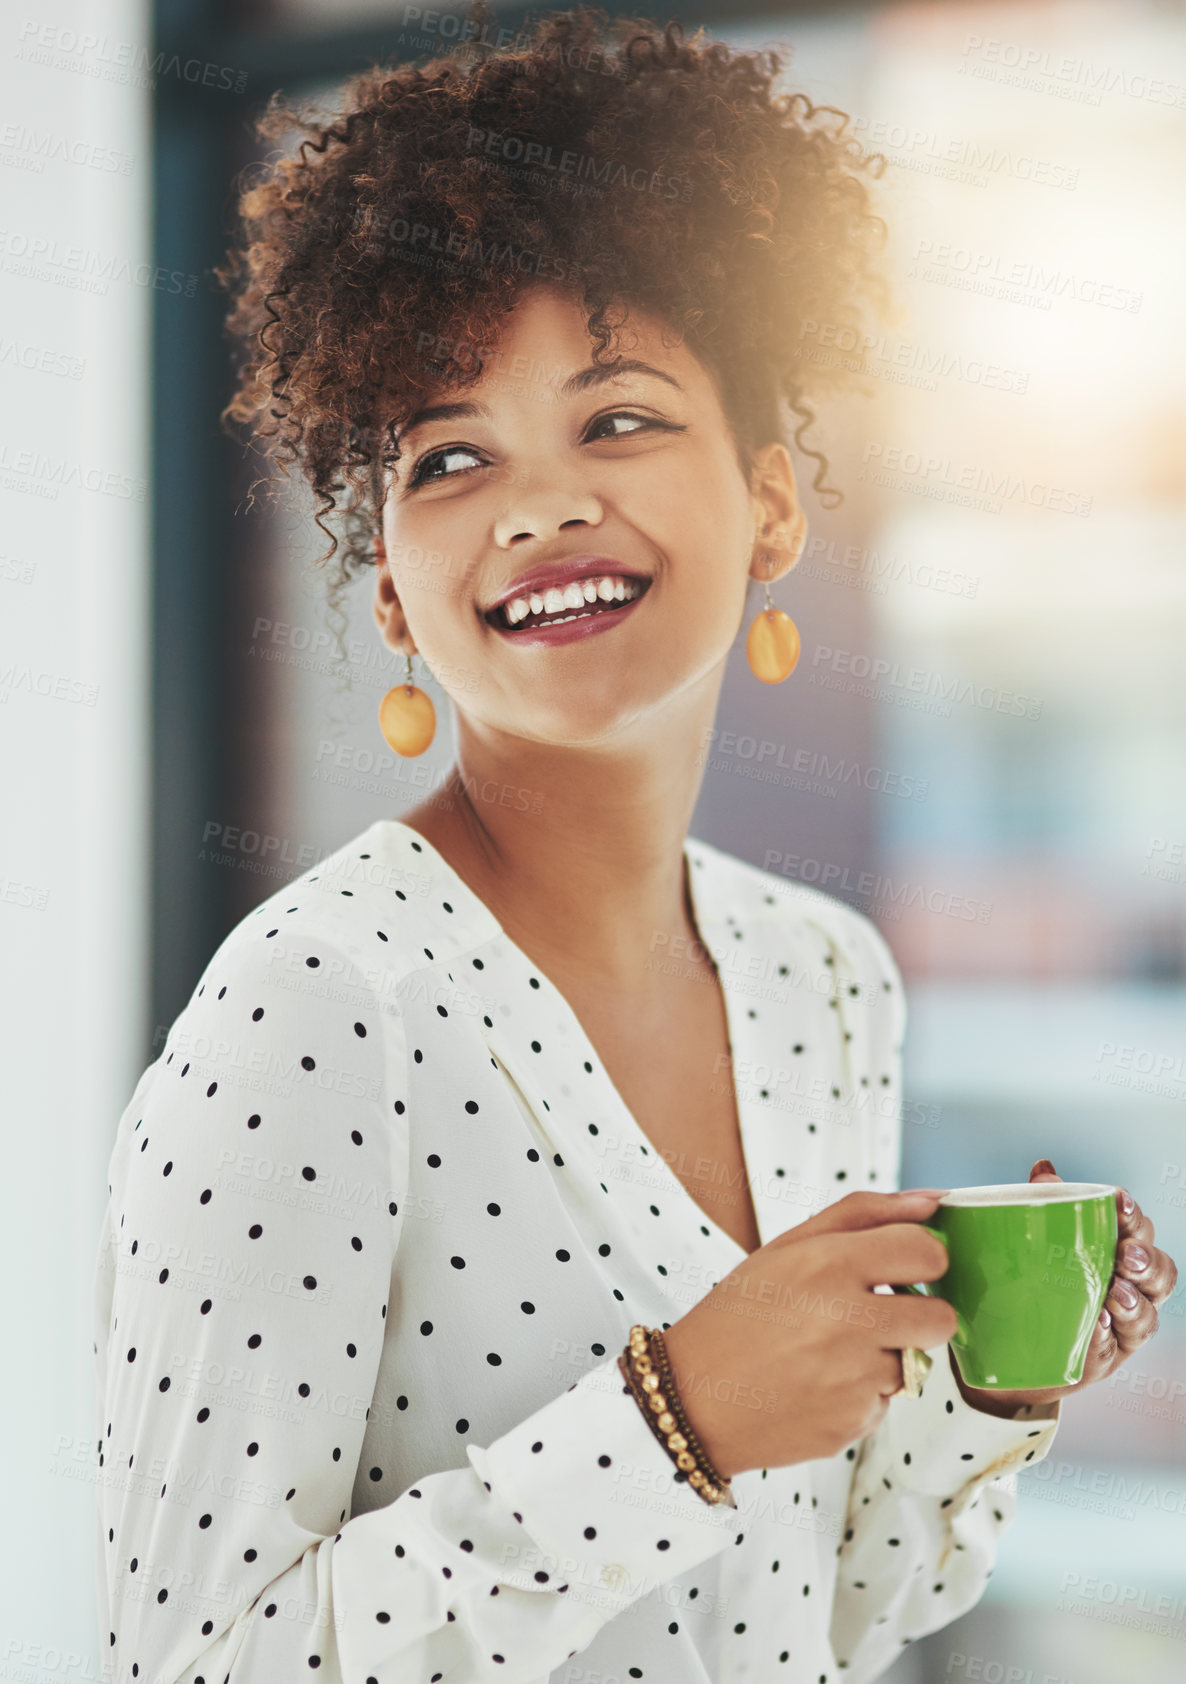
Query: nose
point(542, 511)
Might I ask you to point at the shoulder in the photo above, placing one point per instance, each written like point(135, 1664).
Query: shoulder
point(750, 896)
point(378, 895)
point(376, 906)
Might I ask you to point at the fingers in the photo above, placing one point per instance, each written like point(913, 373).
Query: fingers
point(1144, 1278)
point(1131, 1221)
point(897, 1254)
point(1151, 1271)
point(864, 1210)
point(1103, 1353)
point(1134, 1317)
point(887, 1370)
point(907, 1320)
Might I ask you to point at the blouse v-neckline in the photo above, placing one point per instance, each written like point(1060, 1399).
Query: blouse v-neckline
point(706, 923)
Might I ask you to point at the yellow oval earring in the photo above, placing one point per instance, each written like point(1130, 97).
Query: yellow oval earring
point(772, 647)
point(407, 717)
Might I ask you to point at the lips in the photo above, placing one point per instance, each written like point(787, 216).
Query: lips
point(558, 574)
point(571, 625)
point(579, 598)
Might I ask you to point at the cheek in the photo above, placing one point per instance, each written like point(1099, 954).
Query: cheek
point(707, 558)
point(438, 608)
point(427, 566)
point(693, 515)
point(431, 548)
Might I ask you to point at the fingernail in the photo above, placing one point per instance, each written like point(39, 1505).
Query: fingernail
point(924, 1192)
point(1105, 1318)
point(1127, 1202)
point(1126, 1293)
point(1043, 1167)
point(1136, 1258)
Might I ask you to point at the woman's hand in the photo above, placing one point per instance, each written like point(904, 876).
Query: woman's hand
point(1143, 1279)
point(793, 1355)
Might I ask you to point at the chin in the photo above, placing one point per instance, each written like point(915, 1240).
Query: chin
point(582, 721)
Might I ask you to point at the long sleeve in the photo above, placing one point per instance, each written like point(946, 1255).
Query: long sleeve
point(249, 1258)
point(935, 1485)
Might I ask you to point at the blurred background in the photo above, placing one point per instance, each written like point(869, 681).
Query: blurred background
point(982, 746)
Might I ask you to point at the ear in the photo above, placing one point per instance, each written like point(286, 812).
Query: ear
point(779, 519)
point(388, 611)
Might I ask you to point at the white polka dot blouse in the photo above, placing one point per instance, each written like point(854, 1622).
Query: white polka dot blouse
point(379, 1224)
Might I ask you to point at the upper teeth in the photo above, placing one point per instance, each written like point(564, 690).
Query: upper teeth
point(609, 588)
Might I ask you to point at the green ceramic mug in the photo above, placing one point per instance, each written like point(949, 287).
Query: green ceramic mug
point(1029, 1266)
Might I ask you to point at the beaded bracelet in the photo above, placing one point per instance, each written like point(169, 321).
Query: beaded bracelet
point(656, 1392)
point(648, 1374)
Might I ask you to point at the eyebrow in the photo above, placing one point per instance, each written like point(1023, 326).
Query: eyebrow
point(582, 381)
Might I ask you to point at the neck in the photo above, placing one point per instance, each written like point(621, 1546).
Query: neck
point(578, 852)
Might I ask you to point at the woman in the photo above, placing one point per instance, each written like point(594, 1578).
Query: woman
point(503, 1080)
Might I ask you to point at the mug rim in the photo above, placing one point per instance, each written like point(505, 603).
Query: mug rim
point(1056, 1192)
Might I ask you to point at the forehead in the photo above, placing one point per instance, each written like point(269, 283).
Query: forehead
point(545, 313)
point(544, 340)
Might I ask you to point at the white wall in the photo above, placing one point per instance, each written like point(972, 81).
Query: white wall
point(74, 324)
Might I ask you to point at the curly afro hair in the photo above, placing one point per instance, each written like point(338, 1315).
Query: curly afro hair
point(610, 157)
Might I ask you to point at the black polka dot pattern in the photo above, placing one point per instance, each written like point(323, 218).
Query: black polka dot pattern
point(378, 1225)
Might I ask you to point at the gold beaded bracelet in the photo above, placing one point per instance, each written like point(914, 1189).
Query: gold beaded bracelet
point(655, 1389)
point(648, 1374)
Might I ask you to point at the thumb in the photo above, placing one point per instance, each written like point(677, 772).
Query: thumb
point(1044, 1170)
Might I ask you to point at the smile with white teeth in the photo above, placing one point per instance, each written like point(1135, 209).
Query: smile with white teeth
point(553, 606)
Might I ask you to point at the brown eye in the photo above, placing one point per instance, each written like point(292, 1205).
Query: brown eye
point(420, 473)
point(622, 415)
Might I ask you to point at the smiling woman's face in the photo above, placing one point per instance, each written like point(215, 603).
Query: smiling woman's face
point(634, 477)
